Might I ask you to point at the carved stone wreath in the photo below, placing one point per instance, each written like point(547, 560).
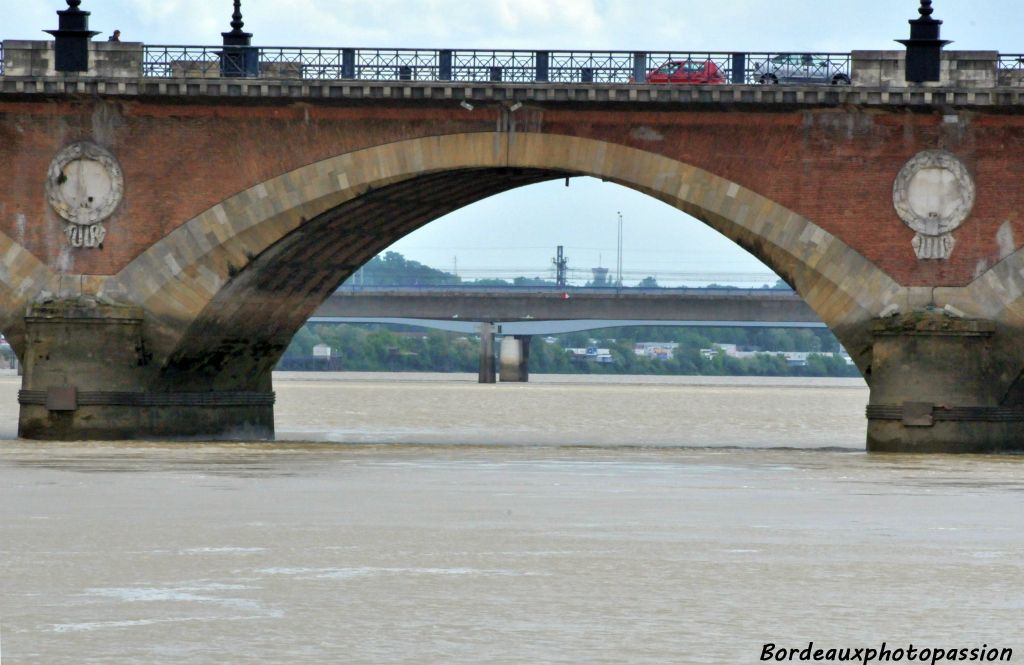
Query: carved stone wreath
point(84, 185)
point(933, 194)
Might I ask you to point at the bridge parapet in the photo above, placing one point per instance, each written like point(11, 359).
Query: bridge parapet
point(711, 97)
point(137, 61)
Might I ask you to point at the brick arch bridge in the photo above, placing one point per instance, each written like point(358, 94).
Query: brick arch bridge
point(240, 216)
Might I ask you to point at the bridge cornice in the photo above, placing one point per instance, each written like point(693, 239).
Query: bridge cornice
point(782, 98)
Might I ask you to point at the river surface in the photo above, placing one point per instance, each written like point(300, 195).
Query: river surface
point(428, 519)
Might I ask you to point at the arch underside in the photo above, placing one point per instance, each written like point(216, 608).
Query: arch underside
point(246, 275)
point(240, 336)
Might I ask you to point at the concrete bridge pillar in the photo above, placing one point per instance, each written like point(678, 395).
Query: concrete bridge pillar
point(515, 358)
point(487, 373)
point(938, 384)
point(88, 375)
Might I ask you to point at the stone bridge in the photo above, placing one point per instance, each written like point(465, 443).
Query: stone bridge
point(162, 240)
point(519, 313)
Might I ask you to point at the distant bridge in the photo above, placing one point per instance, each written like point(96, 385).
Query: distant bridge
point(544, 310)
point(517, 313)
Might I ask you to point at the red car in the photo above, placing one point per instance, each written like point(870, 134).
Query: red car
point(686, 71)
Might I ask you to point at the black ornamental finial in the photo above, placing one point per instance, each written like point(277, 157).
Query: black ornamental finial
point(237, 37)
point(925, 10)
point(73, 4)
point(236, 18)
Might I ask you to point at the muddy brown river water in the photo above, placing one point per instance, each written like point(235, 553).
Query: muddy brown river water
point(428, 519)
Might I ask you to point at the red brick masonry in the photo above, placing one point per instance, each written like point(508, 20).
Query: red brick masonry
point(835, 166)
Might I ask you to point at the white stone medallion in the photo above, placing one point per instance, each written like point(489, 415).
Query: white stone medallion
point(933, 194)
point(84, 185)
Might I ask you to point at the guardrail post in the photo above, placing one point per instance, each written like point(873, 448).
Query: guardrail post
point(444, 65)
point(543, 61)
point(640, 67)
point(739, 68)
point(348, 63)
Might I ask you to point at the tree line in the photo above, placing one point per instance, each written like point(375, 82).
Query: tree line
point(393, 269)
point(372, 348)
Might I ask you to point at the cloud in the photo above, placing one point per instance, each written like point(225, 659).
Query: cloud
point(736, 25)
point(531, 16)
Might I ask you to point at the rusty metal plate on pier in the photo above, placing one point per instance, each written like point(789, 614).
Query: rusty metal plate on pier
point(62, 398)
point(918, 414)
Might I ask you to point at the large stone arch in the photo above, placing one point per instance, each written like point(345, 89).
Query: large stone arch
point(210, 276)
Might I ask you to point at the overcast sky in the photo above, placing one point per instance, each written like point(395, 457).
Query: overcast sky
point(520, 229)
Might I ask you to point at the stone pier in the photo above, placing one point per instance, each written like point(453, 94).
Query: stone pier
point(487, 369)
point(88, 376)
point(515, 359)
point(938, 385)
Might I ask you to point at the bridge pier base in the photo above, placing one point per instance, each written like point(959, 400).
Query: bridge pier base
point(88, 376)
point(515, 359)
point(487, 373)
point(936, 387)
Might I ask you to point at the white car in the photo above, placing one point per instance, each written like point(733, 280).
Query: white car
point(802, 68)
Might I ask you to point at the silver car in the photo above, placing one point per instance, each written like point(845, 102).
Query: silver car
point(802, 68)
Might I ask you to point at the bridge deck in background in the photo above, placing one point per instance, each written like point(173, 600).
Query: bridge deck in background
point(538, 310)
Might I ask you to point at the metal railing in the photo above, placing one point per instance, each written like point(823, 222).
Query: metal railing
point(1011, 62)
point(511, 66)
point(1010, 70)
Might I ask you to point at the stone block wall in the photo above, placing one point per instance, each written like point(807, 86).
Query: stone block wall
point(106, 59)
point(210, 69)
point(959, 69)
